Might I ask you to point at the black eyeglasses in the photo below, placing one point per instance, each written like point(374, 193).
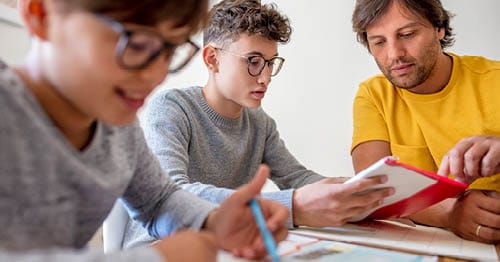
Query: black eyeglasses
point(256, 63)
point(137, 49)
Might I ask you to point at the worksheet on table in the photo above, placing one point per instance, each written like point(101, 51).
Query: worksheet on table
point(420, 239)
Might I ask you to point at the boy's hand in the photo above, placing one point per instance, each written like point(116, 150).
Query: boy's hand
point(234, 223)
point(329, 202)
point(188, 246)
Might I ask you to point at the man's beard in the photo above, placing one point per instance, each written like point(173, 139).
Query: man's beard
point(424, 69)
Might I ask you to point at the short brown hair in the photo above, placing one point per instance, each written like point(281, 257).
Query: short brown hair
point(190, 13)
point(231, 18)
point(367, 11)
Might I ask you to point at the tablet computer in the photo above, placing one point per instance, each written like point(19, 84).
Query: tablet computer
point(415, 189)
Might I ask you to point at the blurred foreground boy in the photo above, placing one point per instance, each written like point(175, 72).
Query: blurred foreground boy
point(71, 144)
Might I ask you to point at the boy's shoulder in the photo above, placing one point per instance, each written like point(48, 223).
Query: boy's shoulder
point(8, 77)
point(177, 94)
point(259, 115)
point(3, 65)
point(173, 100)
point(12, 88)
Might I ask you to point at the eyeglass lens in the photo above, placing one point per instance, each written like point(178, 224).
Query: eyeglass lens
point(141, 48)
point(256, 65)
point(136, 49)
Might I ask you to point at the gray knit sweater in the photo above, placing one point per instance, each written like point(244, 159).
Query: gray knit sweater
point(53, 197)
point(211, 155)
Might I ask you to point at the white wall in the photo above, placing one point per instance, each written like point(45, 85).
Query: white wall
point(13, 39)
point(311, 99)
point(13, 43)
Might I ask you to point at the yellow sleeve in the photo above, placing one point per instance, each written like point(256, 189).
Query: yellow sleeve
point(491, 183)
point(368, 121)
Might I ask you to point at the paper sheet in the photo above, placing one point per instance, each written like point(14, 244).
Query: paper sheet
point(419, 239)
point(303, 248)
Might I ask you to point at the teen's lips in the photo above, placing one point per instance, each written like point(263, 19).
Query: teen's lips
point(259, 94)
point(134, 100)
point(402, 69)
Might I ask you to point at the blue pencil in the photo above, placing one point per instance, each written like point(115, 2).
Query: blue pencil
point(266, 235)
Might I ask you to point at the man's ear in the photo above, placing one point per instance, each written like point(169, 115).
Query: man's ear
point(210, 58)
point(33, 14)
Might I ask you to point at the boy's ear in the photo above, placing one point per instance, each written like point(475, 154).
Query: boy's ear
point(33, 13)
point(441, 33)
point(210, 58)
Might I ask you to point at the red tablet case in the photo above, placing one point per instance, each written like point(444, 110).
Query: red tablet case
point(441, 189)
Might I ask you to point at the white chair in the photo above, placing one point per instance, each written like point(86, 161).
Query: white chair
point(113, 228)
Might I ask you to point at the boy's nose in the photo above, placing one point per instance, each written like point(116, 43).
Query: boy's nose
point(265, 76)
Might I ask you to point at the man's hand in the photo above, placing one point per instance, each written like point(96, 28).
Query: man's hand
point(476, 216)
point(188, 246)
point(471, 158)
point(330, 203)
point(234, 223)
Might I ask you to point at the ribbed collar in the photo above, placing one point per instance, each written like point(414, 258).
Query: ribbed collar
point(218, 119)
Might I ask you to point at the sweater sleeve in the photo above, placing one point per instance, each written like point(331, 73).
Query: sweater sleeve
point(156, 202)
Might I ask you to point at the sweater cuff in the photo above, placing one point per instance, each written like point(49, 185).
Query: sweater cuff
point(183, 210)
point(284, 197)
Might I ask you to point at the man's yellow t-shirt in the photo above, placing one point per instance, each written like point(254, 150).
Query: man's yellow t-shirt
point(422, 128)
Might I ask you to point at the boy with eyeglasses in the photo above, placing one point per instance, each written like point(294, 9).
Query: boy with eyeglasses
point(71, 144)
point(212, 139)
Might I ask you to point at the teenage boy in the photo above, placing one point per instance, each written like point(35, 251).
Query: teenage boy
point(211, 139)
point(71, 145)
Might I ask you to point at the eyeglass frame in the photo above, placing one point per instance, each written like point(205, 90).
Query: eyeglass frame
point(123, 41)
point(249, 60)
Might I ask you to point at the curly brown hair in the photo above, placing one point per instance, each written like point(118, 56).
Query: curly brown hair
point(190, 13)
point(367, 11)
point(231, 18)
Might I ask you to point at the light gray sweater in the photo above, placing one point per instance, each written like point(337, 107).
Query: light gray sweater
point(53, 197)
point(211, 155)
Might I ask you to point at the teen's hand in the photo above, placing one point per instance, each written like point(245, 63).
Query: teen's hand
point(234, 223)
point(471, 158)
point(476, 216)
point(330, 203)
point(188, 246)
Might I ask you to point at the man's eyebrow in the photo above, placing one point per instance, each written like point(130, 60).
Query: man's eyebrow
point(412, 24)
point(373, 37)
